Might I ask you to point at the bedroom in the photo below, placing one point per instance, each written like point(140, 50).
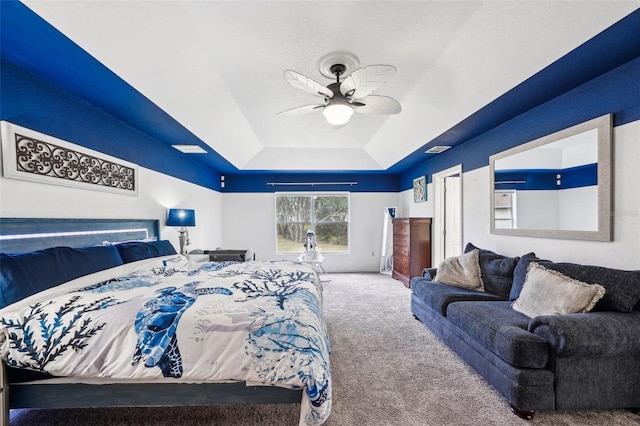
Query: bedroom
point(226, 217)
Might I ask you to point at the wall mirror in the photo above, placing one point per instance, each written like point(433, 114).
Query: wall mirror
point(558, 186)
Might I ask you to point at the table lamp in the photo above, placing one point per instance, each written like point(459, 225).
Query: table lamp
point(182, 218)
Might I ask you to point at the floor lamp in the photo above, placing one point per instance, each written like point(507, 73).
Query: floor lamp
point(182, 218)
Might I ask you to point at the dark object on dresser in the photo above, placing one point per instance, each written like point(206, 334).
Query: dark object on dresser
point(411, 247)
point(550, 362)
point(230, 255)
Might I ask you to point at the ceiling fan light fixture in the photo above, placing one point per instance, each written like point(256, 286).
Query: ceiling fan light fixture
point(344, 97)
point(337, 114)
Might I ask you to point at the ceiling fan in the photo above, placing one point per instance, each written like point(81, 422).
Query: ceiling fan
point(342, 99)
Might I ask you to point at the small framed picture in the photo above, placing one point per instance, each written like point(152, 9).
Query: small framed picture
point(420, 189)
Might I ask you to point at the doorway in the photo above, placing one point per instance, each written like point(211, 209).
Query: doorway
point(447, 236)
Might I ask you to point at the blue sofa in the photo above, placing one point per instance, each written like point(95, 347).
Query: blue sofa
point(551, 362)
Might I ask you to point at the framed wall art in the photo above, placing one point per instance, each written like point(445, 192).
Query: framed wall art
point(420, 189)
point(34, 156)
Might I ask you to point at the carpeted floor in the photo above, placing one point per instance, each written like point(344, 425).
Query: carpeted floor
point(387, 369)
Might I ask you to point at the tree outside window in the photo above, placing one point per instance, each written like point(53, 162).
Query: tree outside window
point(325, 214)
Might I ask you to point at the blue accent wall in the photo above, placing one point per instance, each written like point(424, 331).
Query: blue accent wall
point(546, 179)
point(35, 46)
point(32, 103)
point(612, 48)
point(261, 182)
point(578, 177)
point(51, 85)
point(616, 92)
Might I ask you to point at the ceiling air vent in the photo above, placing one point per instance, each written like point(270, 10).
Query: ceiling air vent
point(437, 149)
point(190, 149)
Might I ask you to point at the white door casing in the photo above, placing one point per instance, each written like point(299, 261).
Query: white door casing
point(440, 223)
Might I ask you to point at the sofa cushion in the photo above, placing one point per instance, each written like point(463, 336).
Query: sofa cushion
point(438, 296)
point(461, 271)
point(139, 250)
point(548, 292)
point(496, 270)
point(24, 274)
point(501, 330)
point(622, 288)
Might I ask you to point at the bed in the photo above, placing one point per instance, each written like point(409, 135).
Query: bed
point(132, 323)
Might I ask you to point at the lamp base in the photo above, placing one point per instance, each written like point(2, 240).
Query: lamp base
point(183, 240)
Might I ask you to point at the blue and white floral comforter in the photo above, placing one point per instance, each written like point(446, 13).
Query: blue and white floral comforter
point(259, 322)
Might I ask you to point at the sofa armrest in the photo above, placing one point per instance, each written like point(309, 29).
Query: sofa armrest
point(593, 333)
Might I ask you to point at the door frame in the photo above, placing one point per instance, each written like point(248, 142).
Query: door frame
point(439, 213)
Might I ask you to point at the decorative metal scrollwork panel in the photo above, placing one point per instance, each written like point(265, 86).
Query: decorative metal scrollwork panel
point(43, 158)
point(37, 157)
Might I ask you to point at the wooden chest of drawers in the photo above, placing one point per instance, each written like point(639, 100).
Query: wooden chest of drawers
point(411, 247)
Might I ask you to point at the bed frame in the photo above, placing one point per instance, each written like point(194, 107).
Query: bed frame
point(23, 235)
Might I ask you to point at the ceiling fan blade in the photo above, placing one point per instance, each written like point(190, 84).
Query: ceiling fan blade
point(376, 105)
point(306, 84)
point(301, 110)
point(363, 81)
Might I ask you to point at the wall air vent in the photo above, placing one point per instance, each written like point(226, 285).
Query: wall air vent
point(437, 149)
point(190, 149)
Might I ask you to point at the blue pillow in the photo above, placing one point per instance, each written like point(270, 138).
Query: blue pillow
point(24, 274)
point(622, 288)
point(520, 274)
point(496, 270)
point(139, 250)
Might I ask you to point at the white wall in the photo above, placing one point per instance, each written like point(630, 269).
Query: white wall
point(578, 208)
point(249, 222)
point(537, 209)
point(568, 209)
point(157, 192)
point(408, 208)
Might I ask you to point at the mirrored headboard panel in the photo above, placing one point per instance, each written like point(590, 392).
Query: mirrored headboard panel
point(558, 186)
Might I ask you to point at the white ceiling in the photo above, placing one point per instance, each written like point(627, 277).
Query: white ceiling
point(217, 66)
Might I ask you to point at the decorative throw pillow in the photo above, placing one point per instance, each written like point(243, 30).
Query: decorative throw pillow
point(622, 287)
point(24, 274)
point(461, 271)
point(520, 273)
point(138, 250)
point(548, 292)
point(496, 270)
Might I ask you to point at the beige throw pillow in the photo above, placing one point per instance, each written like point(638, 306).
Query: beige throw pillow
point(548, 292)
point(461, 271)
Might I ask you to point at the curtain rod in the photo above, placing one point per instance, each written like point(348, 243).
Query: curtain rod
point(309, 183)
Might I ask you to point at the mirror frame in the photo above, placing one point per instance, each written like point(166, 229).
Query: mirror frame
point(605, 183)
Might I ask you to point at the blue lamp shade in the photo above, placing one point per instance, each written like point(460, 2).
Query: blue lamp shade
point(181, 217)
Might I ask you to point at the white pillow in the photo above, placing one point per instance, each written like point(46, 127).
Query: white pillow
point(548, 292)
point(461, 271)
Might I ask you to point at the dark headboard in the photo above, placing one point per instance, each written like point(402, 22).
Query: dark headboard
point(19, 235)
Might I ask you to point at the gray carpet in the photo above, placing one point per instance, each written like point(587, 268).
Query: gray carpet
point(387, 367)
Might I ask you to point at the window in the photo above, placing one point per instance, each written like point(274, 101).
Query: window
point(325, 214)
